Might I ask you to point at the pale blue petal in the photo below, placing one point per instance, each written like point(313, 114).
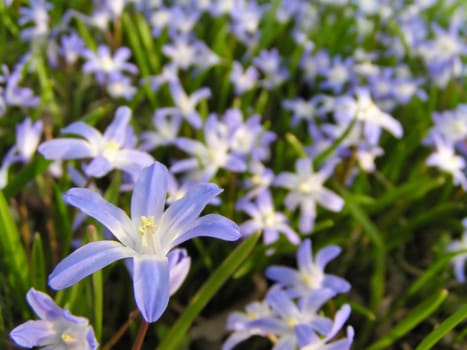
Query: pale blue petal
point(148, 198)
point(181, 214)
point(286, 276)
point(179, 266)
point(43, 305)
point(211, 225)
point(321, 324)
point(116, 131)
point(98, 167)
point(458, 266)
point(86, 260)
point(305, 335)
point(249, 227)
point(282, 304)
point(304, 166)
point(236, 338)
point(32, 333)
point(151, 285)
point(58, 149)
point(287, 180)
point(305, 256)
point(329, 200)
point(307, 216)
point(267, 325)
point(285, 343)
point(115, 219)
point(339, 319)
point(325, 255)
point(337, 284)
point(84, 130)
point(315, 300)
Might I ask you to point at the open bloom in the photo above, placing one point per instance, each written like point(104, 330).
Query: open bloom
point(306, 190)
point(57, 329)
point(109, 150)
point(147, 237)
point(310, 275)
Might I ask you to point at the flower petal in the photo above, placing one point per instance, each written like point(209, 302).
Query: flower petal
point(43, 305)
point(286, 276)
point(85, 261)
point(62, 148)
point(115, 219)
point(211, 225)
point(84, 130)
point(116, 131)
point(98, 167)
point(179, 266)
point(151, 285)
point(329, 200)
point(181, 214)
point(32, 333)
point(325, 255)
point(148, 198)
point(305, 256)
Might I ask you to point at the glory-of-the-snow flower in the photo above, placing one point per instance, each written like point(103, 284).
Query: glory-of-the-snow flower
point(147, 237)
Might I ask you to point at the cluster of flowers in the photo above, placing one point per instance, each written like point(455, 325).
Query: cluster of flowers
point(290, 314)
point(449, 137)
point(344, 106)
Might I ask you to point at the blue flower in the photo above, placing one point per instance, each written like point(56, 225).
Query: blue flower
point(109, 150)
point(147, 237)
point(310, 275)
point(57, 329)
point(306, 189)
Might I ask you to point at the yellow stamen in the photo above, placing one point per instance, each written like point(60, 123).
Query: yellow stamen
point(147, 224)
point(67, 337)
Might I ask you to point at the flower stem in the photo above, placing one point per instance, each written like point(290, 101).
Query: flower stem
point(141, 334)
point(116, 337)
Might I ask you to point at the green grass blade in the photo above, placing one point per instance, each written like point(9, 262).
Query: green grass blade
point(413, 318)
point(444, 328)
point(206, 292)
point(379, 254)
point(38, 274)
point(12, 253)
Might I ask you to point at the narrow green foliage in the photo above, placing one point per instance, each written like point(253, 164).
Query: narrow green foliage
point(146, 39)
point(62, 220)
point(13, 256)
point(443, 329)
point(417, 315)
point(377, 285)
point(38, 264)
point(140, 54)
point(207, 291)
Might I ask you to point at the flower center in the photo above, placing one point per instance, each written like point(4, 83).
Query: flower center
point(67, 337)
point(110, 150)
point(147, 225)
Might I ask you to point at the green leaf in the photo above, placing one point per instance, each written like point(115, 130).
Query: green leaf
point(37, 166)
point(413, 318)
point(177, 333)
point(12, 253)
point(379, 253)
point(140, 54)
point(38, 274)
point(444, 328)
